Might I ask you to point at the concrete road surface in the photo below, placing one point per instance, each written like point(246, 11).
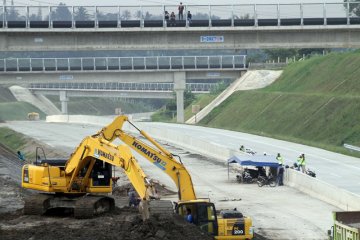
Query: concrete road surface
point(336, 169)
point(277, 213)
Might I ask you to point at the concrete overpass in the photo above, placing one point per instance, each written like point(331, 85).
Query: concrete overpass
point(122, 90)
point(175, 70)
point(303, 25)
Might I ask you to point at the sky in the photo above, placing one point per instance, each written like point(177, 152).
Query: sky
point(156, 2)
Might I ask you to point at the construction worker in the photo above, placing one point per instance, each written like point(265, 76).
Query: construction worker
point(280, 175)
point(280, 159)
point(21, 156)
point(301, 163)
point(189, 217)
point(133, 201)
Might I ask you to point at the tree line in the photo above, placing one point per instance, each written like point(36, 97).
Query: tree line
point(62, 12)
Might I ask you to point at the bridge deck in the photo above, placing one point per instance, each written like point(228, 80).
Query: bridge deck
point(18, 24)
point(157, 63)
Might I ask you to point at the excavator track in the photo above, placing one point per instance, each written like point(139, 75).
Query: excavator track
point(37, 204)
point(82, 207)
point(91, 205)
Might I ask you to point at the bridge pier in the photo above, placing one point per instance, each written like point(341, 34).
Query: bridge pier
point(179, 88)
point(64, 102)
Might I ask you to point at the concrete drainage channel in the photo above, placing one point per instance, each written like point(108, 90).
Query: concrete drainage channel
point(314, 187)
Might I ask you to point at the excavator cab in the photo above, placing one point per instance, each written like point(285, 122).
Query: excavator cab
point(101, 174)
point(203, 214)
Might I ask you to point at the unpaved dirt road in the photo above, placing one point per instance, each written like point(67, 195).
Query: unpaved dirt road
point(277, 213)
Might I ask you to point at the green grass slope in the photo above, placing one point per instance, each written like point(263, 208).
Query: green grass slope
point(315, 102)
point(201, 99)
point(100, 106)
point(170, 116)
point(10, 111)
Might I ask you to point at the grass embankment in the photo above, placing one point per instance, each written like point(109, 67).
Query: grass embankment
point(315, 102)
point(16, 141)
point(170, 116)
point(10, 111)
point(98, 106)
point(11, 139)
point(203, 100)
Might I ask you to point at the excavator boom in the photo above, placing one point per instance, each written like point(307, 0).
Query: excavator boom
point(158, 155)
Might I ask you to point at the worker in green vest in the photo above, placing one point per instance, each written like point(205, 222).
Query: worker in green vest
point(301, 162)
point(280, 159)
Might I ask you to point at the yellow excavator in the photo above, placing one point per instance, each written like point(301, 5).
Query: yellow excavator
point(89, 170)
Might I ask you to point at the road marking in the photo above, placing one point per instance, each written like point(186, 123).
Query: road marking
point(334, 174)
point(259, 141)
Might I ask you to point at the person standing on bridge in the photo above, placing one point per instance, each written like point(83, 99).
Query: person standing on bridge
point(181, 11)
point(172, 19)
point(189, 17)
point(166, 16)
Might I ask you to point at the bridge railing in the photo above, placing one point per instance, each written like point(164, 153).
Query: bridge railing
point(116, 86)
point(122, 63)
point(63, 16)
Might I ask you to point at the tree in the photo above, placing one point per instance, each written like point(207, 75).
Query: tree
point(246, 16)
point(274, 54)
point(148, 16)
point(200, 16)
point(34, 17)
point(13, 14)
point(137, 15)
point(81, 14)
point(354, 7)
point(126, 15)
point(61, 13)
point(107, 17)
point(189, 97)
point(310, 51)
point(39, 13)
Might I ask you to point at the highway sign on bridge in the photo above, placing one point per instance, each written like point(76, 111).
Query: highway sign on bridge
point(211, 39)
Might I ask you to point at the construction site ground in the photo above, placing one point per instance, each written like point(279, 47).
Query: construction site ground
point(123, 223)
point(277, 213)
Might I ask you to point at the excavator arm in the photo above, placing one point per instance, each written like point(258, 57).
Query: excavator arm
point(156, 154)
point(92, 148)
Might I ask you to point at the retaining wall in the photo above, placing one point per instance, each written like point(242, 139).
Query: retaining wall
point(319, 189)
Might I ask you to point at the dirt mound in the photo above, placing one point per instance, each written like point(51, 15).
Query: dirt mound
point(123, 190)
point(123, 223)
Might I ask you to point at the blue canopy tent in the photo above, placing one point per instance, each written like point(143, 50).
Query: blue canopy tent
point(254, 160)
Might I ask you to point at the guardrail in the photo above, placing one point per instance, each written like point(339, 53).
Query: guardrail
point(144, 16)
point(163, 87)
point(122, 63)
point(351, 147)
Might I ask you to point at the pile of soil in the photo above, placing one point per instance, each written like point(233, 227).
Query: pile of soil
point(123, 223)
point(123, 190)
